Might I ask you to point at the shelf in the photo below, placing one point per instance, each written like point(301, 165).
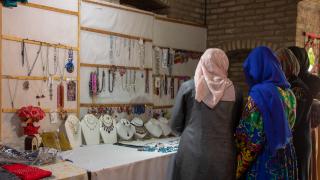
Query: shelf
point(29, 41)
point(13, 110)
point(56, 78)
point(113, 66)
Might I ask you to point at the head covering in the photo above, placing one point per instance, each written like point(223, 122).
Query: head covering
point(289, 63)
point(263, 73)
point(303, 59)
point(211, 78)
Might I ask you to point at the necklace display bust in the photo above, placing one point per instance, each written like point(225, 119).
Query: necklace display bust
point(164, 124)
point(90, 126)
point(140, 130)
point(108, 130)
point(154, 128)
point(125, 130)
point(73, 130)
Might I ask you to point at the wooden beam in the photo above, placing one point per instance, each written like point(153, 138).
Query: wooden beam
point(11, 110)
point(18, 39)
point(113, 66)
point(39, 78)
point(48, 8)
point(114, 34)
point(91, 105)
point(163, 107)
point(0, 71)
point(78, 60)
point(177, 49)
point(121, 7)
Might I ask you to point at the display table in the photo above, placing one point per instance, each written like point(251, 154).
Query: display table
point(65, 170)
point(111, 162)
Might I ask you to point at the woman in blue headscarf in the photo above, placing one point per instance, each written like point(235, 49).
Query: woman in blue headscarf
point(264, 135)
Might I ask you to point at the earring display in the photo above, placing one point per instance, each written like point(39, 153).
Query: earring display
point(164, 124)
point(154, 128)
point(125, 130)
point(90, 126)
point(108, 130)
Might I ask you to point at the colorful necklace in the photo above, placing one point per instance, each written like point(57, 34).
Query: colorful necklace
point(108, 125)
point(74, 127)
point(70, 66)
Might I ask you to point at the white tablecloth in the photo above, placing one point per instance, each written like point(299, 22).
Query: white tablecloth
point(110, 162)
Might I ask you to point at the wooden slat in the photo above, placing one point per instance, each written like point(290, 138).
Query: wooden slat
point(114, 34)
point(177, 77)
point(112, 66)
point(179, 21)
point(56, 78)
point(90, 105)
point(48, 8)
point(0, 71)
point(112, 5)
point(163, 107)
point(78, 61)
point(177, 49)
point(11, 110)
point(18, 39)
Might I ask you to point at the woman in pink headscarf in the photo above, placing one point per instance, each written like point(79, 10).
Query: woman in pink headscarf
point(206, 111)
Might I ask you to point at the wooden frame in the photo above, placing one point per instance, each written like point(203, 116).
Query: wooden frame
point(92, 105)
point(0, 71)
point(114, 34)
point(18, 39)
point(10, 110)
point(78, 60)
point(113, 66)
point(48, 8)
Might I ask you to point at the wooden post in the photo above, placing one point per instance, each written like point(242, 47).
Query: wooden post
point(78, 61)
point(0, 71)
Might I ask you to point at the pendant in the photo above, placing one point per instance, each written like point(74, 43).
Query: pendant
point(70, 66)
point(71, 91)
point(26, 85)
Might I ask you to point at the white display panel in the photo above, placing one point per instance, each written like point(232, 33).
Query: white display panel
point(116, 20)
point(71, 5)
point(180, 36)
point(96, 49)
point(41, 25)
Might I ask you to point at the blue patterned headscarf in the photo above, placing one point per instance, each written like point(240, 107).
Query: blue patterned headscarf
point(263, 73)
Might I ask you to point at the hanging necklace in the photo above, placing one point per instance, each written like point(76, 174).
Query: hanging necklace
point(172, 87)
point(107, 125)
point(40, 95)
point(12, 96)
point(122, 72)
point(92, 125)
point(71, 90)
point(142, 56)
point(147, 82)
point(111, 86)
point(22, 51)
point(111, 49)
point(157, 57)
point(165, 88)
point(26, 84)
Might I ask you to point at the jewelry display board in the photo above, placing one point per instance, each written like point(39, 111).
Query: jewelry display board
point(39, 39)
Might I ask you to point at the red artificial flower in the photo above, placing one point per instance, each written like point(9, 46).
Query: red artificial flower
point(30, 129)
point(31, 113)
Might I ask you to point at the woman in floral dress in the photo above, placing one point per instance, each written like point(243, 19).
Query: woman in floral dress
point(264, 135)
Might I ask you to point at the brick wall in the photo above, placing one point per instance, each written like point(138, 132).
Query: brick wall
point(308, 19)
point(238, 24)
point(189, 10)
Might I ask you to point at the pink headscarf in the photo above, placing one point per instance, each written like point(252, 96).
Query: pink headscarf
point(211, 78)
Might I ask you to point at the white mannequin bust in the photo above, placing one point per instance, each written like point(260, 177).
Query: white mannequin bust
point(125, 130)
point(140, 130)
point(73, 130)
point(154, 128)
point(108, 129)
point(90, 126)
point(164, 124)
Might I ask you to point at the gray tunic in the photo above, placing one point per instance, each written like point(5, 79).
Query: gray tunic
point(207, 149)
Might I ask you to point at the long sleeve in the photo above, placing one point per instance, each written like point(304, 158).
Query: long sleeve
point(178, 118)
point(249, 137)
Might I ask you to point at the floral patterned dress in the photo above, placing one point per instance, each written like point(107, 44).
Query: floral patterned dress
point(253, 156)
